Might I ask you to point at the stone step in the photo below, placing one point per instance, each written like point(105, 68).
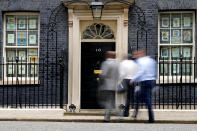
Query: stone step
point(91, 112)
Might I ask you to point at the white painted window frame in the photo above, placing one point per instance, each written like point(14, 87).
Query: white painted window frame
point(27, 79)
point(169, 78)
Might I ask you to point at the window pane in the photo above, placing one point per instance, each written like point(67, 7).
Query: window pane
point(11, 22)
point(10, 55)
point(33, 41)
point(10, 38)
point(33, 52)
point(187, 52)
point(164, 52)
point(164, 21)
point(175, 69)
point(21, 70)
point(176, 20)
point(175, 51)
point(22, 54)
point(164, 36)
point(10, 70)
point(164, 68)
point(33, 55)
point(22, 22)
point(33, 59)
point(22, 38)
point(176, 36)
point(186, 68)
point(33, 23)
point(33, 70)
point(187, 36)
point(187, 20)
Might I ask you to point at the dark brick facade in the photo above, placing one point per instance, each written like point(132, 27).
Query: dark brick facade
point(151, 9)
point(51, 93)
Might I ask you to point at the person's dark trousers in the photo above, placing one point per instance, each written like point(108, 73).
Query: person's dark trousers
point(109, 103)
point(144, 95)
point(129, 97)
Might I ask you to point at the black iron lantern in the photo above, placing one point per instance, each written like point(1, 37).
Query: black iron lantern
point(97, 8)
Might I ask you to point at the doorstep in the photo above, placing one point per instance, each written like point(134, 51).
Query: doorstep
point(60, 115)
point(161, 116)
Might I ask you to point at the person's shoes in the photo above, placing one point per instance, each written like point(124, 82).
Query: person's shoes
point(106, 121)
point(151, 121)
point(134, 115)
point(126, 114)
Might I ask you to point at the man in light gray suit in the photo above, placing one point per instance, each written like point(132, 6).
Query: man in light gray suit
point(109, 77)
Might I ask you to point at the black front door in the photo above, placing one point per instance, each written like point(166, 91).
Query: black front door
point(92, 55)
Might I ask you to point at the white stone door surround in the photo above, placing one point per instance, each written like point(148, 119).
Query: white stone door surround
point(79, 17)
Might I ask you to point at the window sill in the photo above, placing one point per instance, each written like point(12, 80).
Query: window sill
point(29, 81)
point(176, 79)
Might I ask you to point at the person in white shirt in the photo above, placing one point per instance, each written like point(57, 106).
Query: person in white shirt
point(146, 76)
point(127, 70)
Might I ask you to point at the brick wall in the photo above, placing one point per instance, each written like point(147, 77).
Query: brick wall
point(44, 7)
point(151, 9)
point(169, 93)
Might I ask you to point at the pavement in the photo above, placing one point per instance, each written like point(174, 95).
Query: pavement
point(60, 115)
point(91, 126)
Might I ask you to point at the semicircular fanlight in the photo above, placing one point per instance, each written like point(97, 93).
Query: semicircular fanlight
point(98, 31)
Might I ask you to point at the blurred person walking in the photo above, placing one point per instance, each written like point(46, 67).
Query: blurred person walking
point(109, 78)
point(146, 76)
point(128, 69)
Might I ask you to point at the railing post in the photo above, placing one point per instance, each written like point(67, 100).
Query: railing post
point(181, 81)
point(17, 84)
point(61, 81)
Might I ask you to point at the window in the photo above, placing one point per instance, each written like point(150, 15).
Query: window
point(176, 43)
point(21, 44)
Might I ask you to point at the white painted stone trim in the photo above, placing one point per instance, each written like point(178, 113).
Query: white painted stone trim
point(76, 15)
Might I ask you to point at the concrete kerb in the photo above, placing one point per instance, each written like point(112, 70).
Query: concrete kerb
point(57, 115)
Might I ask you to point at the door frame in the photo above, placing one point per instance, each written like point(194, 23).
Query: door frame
point(76, 16)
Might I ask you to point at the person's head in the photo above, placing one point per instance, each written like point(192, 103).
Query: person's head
point(110, 54)
point(139, 53)
point(135, 54)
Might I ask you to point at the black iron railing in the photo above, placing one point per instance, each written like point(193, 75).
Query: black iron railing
point(176, 85)
point(25, 85)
